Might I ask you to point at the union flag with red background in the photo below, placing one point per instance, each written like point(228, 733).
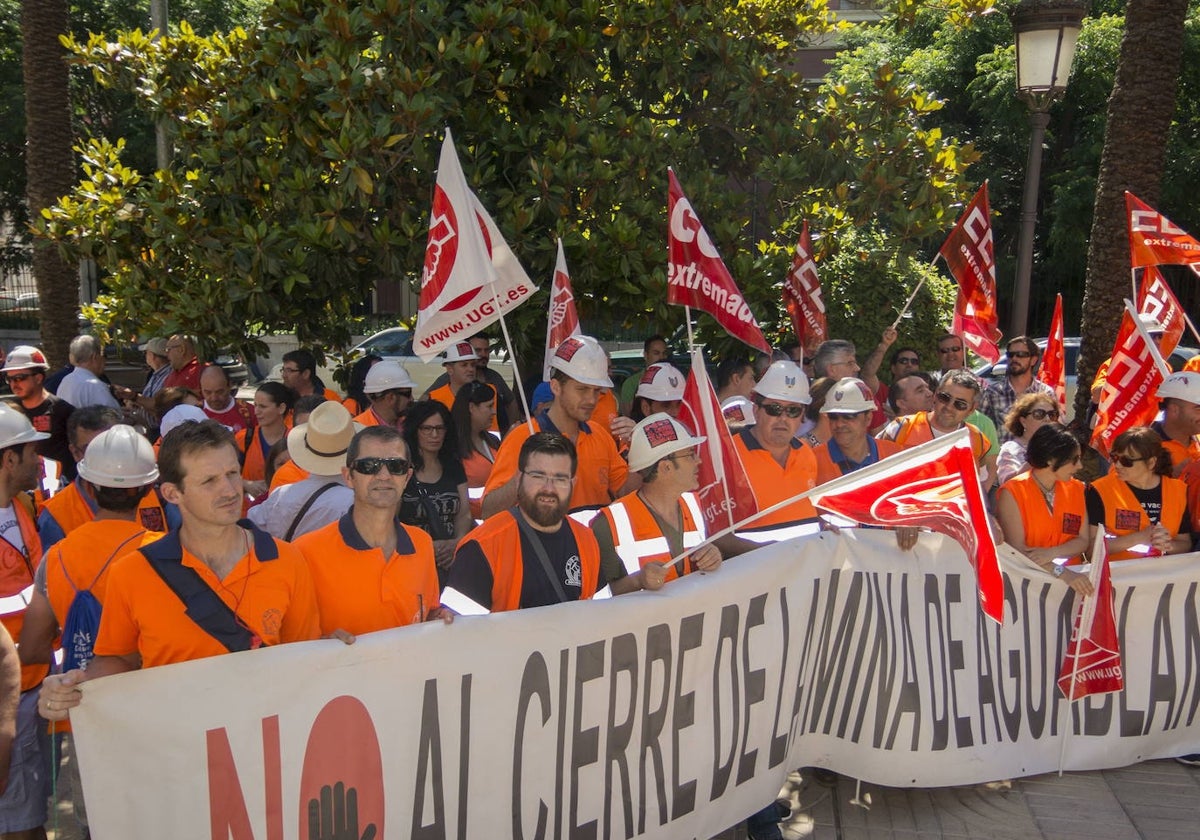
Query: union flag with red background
point(802, 296)
point(1053, 369)
point(696, 275)
point(1092, 664)
point(968, 253)
point(562, 320)
point(1156, 299)
point(1134, 374)
point(1156, 240)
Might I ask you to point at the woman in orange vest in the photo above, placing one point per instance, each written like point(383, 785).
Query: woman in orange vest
point(272, 405)
point(1042, 511)
point(473, 411)
point(1141, 507)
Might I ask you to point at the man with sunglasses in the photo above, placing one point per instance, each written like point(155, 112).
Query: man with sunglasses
point(531, 555)
point(1019, 379)
point(370, 571)
point(390, 389)
point(951, 354)
point(25, 369)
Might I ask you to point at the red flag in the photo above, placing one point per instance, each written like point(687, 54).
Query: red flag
point(968, 254)
point(469, 268)
point(696, 275)
point(802, 295)
point(1053, 370)
point(1134, 374)
point(1155, 240)
point(934, 485)
point(563, 321)
point(1093, 661)
point(726, 496)
point(1156, 299)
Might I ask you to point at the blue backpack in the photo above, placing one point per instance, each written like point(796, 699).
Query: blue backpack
point(83, 615)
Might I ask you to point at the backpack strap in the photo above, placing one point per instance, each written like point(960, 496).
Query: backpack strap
point(203, 605)
point(291, 531)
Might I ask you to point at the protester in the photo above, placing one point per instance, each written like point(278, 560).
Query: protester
point(660, 391)
point(299, 372)
point(1028, 414)
point(160, 368)
point(654, 350)
point(174, 396)
point(370, 572)
point(272, 405)
point(951, 354)
point(1142, 509)
point(319, 448)
point(244, 588)
point(82, 386)
point(579, 373)
point(735, 378)
point(356, 400)
point(1019, 379)
point(641, 532)
point(435, 498)
point(508, 411)
point(838, 359)
point(477, 445)
point(910, 394)
point(217, 390)
point(390, 390)
point(183, 413)
point(25, 370)
point(289, 472)
point(459, 360)
point(533, 555)
point(815, 429)
point(185, 365)
point(1179, 394)
point(1042, 512)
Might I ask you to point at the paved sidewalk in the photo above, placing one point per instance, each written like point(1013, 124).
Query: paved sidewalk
point(1155, 800)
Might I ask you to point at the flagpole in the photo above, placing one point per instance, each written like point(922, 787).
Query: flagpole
point(513, 357)
point(1070, 704)
point(908, 303)
point(705, 407)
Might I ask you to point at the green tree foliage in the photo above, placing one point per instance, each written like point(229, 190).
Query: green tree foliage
point(306, 152)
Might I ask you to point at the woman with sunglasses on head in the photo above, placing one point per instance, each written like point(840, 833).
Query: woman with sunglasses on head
point(1042, 511)
point(472, 413)
point(1140, 506)
point(435, 498)
point(1029, 413)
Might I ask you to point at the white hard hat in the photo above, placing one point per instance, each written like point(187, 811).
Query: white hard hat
point(661, 382)
point(119, 457)
point(179, 415)
point(1181, 386)
point(784, 381)
point(738, 412)
point(386, 375)
point(15, 427)
point(23, 357)
point(460, 352)
point(656, 437)
point(583, 359)
point(848, 396)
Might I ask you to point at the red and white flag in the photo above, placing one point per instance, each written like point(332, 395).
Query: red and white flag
point(1053, 370)
point(1155, 240)
point(1156, 299)
point(726, 497)
point(563, 320)
point(969, 255)
point(934, 485)
point(1134, 374)
point(802, 296)
point(471, 276)
point(1093, 661)
point(696, 275)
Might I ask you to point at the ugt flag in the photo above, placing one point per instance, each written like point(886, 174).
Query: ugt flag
point(696, 275)
point(969, 256)
point(1053, 370)
point(934, 485)
point(726, 497)
point(1134, 374)
point(562, 320)
point(1155, 240)
point(471, 276)
point(802, 295)
point(1156, 299)
point(1092, 664)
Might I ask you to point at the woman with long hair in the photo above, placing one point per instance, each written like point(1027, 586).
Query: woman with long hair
point(1029, 413)
point(272, 405)
point(472, 414)
point(1139, 505)
point(1042, 511)
point(435, 499)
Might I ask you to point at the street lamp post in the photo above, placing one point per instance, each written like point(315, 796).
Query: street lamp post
point(1046, 33)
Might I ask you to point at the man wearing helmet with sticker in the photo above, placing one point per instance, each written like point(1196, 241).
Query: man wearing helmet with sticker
point(660, 390)
point(390, 389)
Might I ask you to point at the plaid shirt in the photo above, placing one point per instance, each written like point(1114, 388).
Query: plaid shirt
point(998, 397)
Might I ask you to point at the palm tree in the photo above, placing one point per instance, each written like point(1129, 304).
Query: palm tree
point(49, 164)
point(1135, 144)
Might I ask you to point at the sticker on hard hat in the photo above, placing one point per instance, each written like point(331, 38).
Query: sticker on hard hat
point(735, 413)
point(648, 375)
point(660, 432)
point(567, 350)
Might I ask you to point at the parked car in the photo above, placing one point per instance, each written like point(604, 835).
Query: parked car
point(995, 373)
point(395, 343)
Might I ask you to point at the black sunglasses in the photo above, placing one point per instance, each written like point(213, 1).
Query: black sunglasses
point(1019, 354)
point(372, 466)
point(1043, 413)
point(776, 410)
point(946, 399)
point(1126, 461)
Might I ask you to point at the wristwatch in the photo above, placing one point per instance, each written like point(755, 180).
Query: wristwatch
point(1057, 569)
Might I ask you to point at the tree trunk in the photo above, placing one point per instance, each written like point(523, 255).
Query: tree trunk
point(49, 163)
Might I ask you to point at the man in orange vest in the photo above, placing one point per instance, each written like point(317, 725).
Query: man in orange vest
point(640, 532)
point(23, 804)
point(534, 554)
point(1180, 423)
point(459, 361)
point(390, 390)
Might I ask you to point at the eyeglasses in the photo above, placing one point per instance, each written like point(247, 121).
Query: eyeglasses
point(944, 350)
point(1126, 461)
point(431, 430)
point(1019, 354)
point(908, 360)
point(287, 369)
point(1043, 414)
point(777, 410)
point(559, 480)
point(946, 399)
point(19, 377)
point(372, 466)
point(684, 453)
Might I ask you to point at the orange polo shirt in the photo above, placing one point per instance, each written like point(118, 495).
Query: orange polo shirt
point(270, 589)
point(358, 589)
point(773, 484)
point(288, 473)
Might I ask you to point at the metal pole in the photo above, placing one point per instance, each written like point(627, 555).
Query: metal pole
point(1039, 118)
point(162, 140)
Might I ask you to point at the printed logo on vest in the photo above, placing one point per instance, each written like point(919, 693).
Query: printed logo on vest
point(1128, 520)
point(1071, 523)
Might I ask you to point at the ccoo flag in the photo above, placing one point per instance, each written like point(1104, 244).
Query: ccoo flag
point(1134, 374)
point(1156, 299)
point(562, 320)
point(471, 276)
point(969, 255)
point(696, 275)
point(1053, 370)
point(802, 296)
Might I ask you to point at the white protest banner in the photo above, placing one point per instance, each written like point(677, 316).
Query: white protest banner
point(660, 715)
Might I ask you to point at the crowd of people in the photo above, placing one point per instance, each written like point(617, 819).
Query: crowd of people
point(177, 522)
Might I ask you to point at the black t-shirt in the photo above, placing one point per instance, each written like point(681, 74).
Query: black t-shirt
point(472, 575)
point(1150, 501)
point(441, 496)
point(51, 417)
